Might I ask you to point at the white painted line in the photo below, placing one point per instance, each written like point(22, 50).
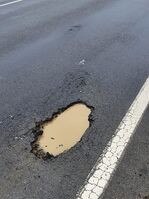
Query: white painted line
point(99, 177)
point(9, 3)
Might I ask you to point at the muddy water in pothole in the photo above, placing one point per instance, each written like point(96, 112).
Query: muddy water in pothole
point(64, 131)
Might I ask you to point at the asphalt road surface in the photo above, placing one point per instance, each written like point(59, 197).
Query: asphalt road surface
point(53, 53)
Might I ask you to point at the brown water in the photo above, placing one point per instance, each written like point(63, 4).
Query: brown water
point(64, 131)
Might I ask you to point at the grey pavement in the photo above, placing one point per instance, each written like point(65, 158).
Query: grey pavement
point(41, 45)
point(131, 179)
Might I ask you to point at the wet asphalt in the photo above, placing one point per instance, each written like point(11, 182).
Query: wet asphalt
point(42, 45)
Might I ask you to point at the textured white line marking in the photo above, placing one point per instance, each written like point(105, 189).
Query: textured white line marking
point(105, 166)
point(9, 3)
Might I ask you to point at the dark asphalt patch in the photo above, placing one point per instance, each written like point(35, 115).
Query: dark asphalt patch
point(75, 27)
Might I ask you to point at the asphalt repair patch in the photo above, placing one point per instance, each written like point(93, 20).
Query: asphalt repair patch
point(62, 131)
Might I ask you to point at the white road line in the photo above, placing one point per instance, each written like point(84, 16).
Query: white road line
point(99, 177)
point(9, 3)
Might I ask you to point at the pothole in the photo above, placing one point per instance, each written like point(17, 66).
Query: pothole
point(146, 197)
point(63, 131)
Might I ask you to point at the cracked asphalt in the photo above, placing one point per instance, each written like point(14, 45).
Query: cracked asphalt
point(53, 53)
